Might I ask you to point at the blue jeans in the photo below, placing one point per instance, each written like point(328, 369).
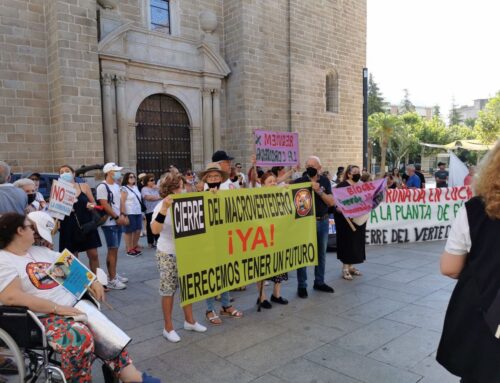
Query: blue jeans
point(113, 236)
point(225, 301)
point(319, 271)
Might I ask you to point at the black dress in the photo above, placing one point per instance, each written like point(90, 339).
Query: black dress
point(70, 235)
point(350, 244)
point(468, 348)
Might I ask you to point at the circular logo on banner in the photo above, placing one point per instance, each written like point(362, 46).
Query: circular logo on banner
point(303, 202)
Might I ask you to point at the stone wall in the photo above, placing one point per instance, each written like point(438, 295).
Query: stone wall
point(25, 140)
point(49, 94)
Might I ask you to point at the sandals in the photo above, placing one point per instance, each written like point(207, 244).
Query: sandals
point(213, 318)
point(346, 275)
point(355, 271)
point(234, 313)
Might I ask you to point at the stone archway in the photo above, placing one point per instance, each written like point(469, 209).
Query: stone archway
point(162, 135)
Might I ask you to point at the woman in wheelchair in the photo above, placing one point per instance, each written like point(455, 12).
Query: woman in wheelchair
point(23, 282)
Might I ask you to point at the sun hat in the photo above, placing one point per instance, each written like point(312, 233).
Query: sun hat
point(44, 224)
point(214, 167)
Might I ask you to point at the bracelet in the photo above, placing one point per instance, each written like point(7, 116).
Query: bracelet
point(160, 218)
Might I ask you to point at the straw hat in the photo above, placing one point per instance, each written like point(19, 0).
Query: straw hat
point(213, 167)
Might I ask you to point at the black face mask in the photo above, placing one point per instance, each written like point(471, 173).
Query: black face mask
point(213, 185)
point(356, 177)
point(234, 179)
point(311, 172)
point(31, 198)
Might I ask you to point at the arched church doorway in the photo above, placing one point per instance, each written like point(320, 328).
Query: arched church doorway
point(162, 134)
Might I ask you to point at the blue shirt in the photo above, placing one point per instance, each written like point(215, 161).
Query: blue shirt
point(413, 182)
point(12, 199)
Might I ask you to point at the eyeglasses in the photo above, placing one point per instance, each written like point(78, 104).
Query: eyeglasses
point(214, 177)
point(131, 176)
point(189, 174)
point(151, 180)
point(238, 167)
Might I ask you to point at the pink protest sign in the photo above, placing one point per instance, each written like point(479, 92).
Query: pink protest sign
point(276, 148)
point(359, 199)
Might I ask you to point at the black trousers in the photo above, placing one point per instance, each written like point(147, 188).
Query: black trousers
point(151, 237)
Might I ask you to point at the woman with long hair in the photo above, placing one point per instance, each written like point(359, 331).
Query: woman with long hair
point(71, 235)
point(161, 225)
point(468, 346)
point(131, 202)
point(350, 243)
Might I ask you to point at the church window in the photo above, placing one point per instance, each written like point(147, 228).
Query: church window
point(332, 92)
point(160, 15)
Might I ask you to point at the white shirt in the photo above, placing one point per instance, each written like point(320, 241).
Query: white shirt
point(30, 268)
point(132, 204)
point(165, 242)
point(459, 242)
point(102, 193)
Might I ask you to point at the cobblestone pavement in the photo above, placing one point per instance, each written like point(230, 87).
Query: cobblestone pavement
point(382, 327)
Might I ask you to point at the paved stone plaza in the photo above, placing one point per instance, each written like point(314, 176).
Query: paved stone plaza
point(382, 327)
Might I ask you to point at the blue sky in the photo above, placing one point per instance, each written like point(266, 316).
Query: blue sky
point(437, 49)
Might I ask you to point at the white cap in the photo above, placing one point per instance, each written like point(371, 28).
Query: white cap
point(44, 224)
point(111, 166)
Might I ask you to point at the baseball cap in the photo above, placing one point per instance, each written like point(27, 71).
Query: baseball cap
point(44, 224)
point(221, 155)
point(111, 166)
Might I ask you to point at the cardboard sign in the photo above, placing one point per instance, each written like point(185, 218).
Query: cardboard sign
point(62, 198)
point(237, 237)
point(276, 148)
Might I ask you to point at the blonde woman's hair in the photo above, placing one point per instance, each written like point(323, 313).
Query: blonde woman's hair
point(169, 183)
point(487, 183)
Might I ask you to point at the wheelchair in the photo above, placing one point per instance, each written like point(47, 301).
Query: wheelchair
point(25, 355)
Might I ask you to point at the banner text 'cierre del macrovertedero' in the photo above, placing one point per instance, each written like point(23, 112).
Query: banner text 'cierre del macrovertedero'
point(233, 238)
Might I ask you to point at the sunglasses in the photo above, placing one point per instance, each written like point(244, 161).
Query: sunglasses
point(131, 176)
point(151, 180)
point(189, 174)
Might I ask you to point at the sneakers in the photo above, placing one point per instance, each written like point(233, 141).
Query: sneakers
point(280, 300)
point(149, 379)
point(171, 336)
point(115, 284)
point(121, 279)
point(194, 327)
point(324, 287)
point(134, 253)
point(264, 304)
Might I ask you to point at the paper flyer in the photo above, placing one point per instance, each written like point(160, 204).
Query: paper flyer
point(72, 274)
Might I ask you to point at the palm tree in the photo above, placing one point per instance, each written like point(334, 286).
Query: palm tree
point(382, 127)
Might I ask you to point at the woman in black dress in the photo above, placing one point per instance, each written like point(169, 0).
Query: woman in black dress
point(468, 346)
point(70, 233)
point(350, 244)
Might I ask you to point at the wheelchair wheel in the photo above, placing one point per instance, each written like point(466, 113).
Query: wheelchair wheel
point(12, 367)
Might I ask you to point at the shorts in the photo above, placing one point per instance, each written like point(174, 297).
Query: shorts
point(167, 264)
point(113, 236)
point(135, 223)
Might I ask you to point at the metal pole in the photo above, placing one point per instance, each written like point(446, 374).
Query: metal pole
point(365, 117)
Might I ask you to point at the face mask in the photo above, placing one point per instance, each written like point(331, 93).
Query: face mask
point(68, 177)
point(356, 177)
point(117, 176)
point(184, 191)
point(213, 185)
point(311, 172)
point(31, 198)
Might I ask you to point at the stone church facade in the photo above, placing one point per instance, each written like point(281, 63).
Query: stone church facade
point(150, 83)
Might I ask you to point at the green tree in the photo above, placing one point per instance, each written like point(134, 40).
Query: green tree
point(488, 122)
point(405, 140)
point(470, 122)
point(381, 128)
point(376, 103)
point(455, 117)
point(436, 111)
point(406, 105)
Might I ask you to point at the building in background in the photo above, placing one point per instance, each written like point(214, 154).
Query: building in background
point(150, 83)
point(423, 111)
point(472, 112)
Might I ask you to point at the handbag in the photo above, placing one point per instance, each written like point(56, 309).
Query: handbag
point(96, 221)
point(143, 205)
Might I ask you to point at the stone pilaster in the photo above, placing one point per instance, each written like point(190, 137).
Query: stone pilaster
point(121, 119)
point(208, 146)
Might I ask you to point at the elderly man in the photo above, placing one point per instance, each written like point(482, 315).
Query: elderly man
point(323, 199)
point(413, 181)
point(12, 199)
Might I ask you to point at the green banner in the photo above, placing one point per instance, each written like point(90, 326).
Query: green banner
point(233, 238)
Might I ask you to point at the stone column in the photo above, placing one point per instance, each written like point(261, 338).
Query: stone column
point(216, 119)
point(208, 146)
point(109, 135)
point(121, 119)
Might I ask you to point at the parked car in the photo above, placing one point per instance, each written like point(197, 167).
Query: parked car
point(332, 235)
